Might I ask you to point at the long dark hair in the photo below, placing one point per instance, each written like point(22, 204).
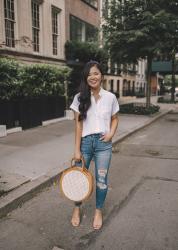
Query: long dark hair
point(84, 89)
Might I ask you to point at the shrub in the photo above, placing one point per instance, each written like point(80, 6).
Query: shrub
point(10, 82)
point(82, 52)
point(138, 108)
point(17, 80)
point(43, 80)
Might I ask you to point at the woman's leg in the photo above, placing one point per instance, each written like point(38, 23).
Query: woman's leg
point(86, 150)
point(87, 158)
point(102, 163)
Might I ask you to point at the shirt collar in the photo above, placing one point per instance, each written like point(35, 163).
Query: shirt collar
point(100, 92)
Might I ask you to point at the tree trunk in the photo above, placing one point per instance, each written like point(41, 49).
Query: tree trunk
point(173, 85)
point(148, 86)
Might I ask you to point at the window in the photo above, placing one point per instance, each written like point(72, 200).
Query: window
point(82, 31)
point(76, 27)
point(35, 25)
point(91, 32)
point(111, 85)
point(92, 3)
point(118, 85)
point(55, 33)
point(9, 22)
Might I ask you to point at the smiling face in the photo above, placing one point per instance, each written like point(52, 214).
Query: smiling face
point(94, 78)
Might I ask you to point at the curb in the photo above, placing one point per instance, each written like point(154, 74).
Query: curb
point(48, 122)
point(14, 130)
point(25, 192)
point(21, 194)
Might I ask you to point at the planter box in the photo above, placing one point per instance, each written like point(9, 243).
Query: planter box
point(28, 113)
point(69, 114)
point(3, 131)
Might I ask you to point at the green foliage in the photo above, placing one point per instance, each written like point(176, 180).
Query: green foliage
point(138, 109)
point(83, 52)
point(43, 80)
point(17, 80)
point(168, 80)
point(137, 29)
point(142, 29)
point(10, 82)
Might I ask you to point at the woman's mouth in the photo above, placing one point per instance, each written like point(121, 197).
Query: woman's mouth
point(93, 82)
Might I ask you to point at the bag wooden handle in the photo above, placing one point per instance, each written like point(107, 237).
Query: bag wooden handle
point(83, 162)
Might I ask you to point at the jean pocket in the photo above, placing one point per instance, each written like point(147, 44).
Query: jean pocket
point(103, 145)
point(85, 140)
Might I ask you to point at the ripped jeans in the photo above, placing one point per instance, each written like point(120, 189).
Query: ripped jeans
point(100, 152)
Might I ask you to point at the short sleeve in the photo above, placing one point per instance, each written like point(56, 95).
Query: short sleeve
point(115, 106)
point(75, 104)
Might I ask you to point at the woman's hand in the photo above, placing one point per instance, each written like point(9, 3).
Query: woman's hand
point(77, 155)
point(106, 137)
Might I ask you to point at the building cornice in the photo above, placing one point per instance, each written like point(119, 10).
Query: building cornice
point(6, 52)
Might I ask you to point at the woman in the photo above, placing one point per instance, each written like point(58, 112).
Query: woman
point(96, 121)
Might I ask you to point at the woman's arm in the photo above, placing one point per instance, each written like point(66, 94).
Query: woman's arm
point(114, 123)
point(78, 136)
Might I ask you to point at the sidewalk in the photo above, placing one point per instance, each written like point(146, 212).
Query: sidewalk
point(32, 159)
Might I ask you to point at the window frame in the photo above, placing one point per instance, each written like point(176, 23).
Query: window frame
point(55, 29)
point(9, 23)
point(88, 2)
point(35, 26)
point(84, 26)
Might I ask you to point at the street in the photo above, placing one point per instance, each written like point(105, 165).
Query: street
point(141, 209)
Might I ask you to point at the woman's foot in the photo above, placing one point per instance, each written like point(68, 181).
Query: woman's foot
point(98, 219)
point(76, 217)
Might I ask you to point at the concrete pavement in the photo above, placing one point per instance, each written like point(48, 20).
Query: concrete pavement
point(33, 159)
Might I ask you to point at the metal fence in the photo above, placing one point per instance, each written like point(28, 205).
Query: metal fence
point(29, 113)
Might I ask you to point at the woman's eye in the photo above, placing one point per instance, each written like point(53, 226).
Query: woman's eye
point(95, 74)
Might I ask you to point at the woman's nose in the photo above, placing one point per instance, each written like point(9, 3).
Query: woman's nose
point(92, 77)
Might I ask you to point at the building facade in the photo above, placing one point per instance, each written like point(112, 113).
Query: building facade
point(82, 19)
point(33, 31)
point(36, 30)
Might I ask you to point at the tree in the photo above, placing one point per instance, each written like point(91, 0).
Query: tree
point(171, 41)
point(138, 29)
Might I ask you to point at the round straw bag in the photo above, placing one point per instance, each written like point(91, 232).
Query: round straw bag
point(76, 182)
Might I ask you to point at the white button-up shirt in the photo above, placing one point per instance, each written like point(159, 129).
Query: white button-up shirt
point(99, 113)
